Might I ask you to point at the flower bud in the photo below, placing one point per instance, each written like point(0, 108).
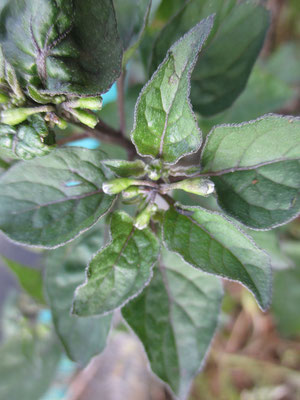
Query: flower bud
point(15, 116)
point(117, 185)
point(143, 219)
point(131, 192)
point(86, 118)
point(199, 186)
point(154, 170)
point(89, 103)
point(3, 98)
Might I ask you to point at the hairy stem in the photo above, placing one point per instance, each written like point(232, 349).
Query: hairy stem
point(121, 108)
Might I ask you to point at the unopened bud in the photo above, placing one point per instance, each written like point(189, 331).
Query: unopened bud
point(89, 103)
point(86, 118)
point(15, 116)
point(117, 185)
point(131, 192)
point(4, 98)
point(154, 170)
point(143, 219)
point(199, 186)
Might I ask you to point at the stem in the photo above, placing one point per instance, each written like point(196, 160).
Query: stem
point(104, 133)
point(120, 87)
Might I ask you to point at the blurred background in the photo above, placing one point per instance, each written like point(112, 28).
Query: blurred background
point(254, 355)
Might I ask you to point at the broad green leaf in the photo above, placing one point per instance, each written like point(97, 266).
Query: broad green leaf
point(29, 279)
point(225, 63)
point(119, 271)
point(175, 317)
point(64, 46)
point(212, 243)
point(82, 338)
point(49, 201)
point(255, 167)
point(126, 169)
point(286, 294)
point(165, 126)
point(264, 94)
point(27, 366)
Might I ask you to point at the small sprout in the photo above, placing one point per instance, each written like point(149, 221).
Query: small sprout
point(199, 186)
point(4, 99)
point(131, 192)
point(15, 116)
point(89, 103)
point(154, 170)
point(86, 118)
point(117, 185)
point(143, 219)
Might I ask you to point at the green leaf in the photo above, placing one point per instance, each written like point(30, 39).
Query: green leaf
point(225, 63)
point(30, 279)
point(130, 17)
point(82, 338)
point(126, 169)
point(27, 366)
point(64, 46)
point(209, 241)
point(175, 317)
point(132, 49)
point(256, 169)
point(264, 94)
point(25, 141)
point(286, 294)
point(165, 126)
point(49, 201)
point(120, 270)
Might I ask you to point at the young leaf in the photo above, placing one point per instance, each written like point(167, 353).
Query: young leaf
point(25, 141)
point(49, 201)
point(30, 279)
point(27, 366)
point(64, 46)
point(120, 270)
point(82, 338)
point(256, 169)
point(126, 169)
point(224, 65)
point(165, 126)
point(210, 242)
point(175, 317)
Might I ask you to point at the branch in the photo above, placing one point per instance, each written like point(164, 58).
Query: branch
point(120, 87)
point(104, 133)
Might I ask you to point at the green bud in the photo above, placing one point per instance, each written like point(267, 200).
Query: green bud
point(4, 99)
point(15, 116)
point(154, 170)
point(143, 219)
point(89, 103)
point(117, 185)
point(86, 118)
point(199, 186)
point(131, 192)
